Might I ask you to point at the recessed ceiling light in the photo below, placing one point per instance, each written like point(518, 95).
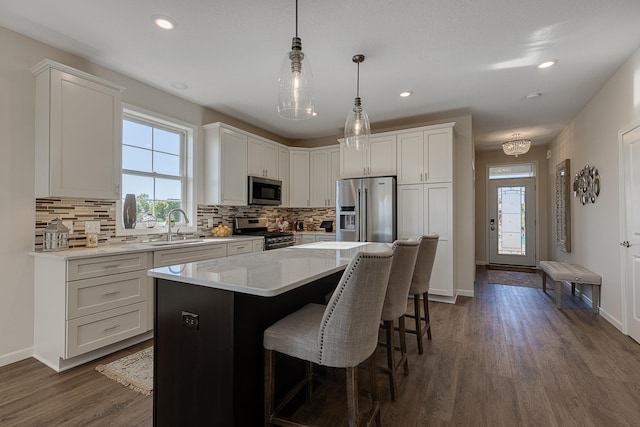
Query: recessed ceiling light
point(179, 85)
point(547, 64)
point(163, 22)
point(406, 93)
point(533, 95)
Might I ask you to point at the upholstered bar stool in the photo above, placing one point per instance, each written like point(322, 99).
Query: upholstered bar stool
point(420, 286)
point(405, 253)
point(342, 334)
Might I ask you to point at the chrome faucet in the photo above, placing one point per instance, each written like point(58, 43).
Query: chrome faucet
point(186, 220)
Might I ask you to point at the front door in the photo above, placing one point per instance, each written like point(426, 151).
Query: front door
point(512, 221)
point(630, 244)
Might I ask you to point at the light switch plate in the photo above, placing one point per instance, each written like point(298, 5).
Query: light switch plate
point(92, 227)
point(69, 225)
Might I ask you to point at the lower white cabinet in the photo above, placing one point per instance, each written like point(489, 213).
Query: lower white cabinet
point(428, 208)
point(87, 304)
point(175, 256)
point(311, 237)
point(237, 248)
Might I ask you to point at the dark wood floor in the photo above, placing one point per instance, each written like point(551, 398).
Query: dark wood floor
point(504, 358)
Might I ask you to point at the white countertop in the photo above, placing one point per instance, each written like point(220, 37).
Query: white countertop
point(269, 273)
point(120, 248)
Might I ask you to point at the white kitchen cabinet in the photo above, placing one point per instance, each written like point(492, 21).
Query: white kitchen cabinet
point(308, 238)
point(283, 174)
point(78, 133)
point(88, 307)
point(378, 160)
point(225, 165)
point(299, 178)
point(257, 245)
point(428, 208)
point(324, 170)
point(425, 156)
point(237, 248)
point(174, 256)
point(262, 158)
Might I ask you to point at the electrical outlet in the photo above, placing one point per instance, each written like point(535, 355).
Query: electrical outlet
point(92, 227)
point(69, 225)
point(190, 320)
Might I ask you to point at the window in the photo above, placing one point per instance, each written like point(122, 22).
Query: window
point(525, 170)
point(157, 167)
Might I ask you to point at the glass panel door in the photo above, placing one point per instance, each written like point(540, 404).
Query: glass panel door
point(512, 222)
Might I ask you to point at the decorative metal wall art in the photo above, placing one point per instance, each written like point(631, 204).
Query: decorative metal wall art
point(586, 185)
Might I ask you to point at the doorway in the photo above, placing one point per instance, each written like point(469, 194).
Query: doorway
point(630, 241)
point(512, 220)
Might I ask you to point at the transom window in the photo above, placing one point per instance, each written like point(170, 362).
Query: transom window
point(156, 168)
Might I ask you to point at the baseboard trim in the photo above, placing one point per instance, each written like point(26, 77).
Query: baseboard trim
point(466, 293)
point(16, 356)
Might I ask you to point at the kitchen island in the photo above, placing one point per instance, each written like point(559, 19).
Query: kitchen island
point(209, 320)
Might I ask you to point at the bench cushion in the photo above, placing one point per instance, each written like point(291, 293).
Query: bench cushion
point(574, 273)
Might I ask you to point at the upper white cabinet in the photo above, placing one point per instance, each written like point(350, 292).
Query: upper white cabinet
point(78, 133)
point(325, 170)
point(283, 174)
point(378, 160)
point(225, 165)
point(425, 156)
point(262, 159)
point(299, 178)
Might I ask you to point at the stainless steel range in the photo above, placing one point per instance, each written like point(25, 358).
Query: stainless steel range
point(258, 227)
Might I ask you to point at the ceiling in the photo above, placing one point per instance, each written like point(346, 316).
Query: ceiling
point(473, 55)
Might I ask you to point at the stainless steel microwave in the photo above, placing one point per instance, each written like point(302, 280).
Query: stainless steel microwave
point(264, 191)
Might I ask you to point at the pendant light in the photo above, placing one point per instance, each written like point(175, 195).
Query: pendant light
point(516, 146)
point(357, 129)
point(296, 96)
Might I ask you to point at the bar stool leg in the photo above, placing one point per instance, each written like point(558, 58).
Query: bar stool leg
point(425, 300)
point(269, 368)
point(391, 360)
point(416, 315)
point(352, 395)
point(403, 344)
point(375, 397)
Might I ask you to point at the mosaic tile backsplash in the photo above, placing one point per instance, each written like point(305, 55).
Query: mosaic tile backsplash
point(80, 210)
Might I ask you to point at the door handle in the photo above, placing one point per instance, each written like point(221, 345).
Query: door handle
point(626, 244)
point(492, 224)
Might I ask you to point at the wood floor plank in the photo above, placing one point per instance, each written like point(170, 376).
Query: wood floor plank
point(507, 357)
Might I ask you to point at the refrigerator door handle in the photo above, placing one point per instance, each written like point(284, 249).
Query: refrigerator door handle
point(358, 214)
point(364, 220)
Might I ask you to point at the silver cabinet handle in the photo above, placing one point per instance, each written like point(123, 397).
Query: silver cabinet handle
point(112, 266)
point(108, 294)
point(110, 328)
point(117, 189)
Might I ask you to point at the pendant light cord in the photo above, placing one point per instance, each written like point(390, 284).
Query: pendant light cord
point(357, 81)
point(296, 18)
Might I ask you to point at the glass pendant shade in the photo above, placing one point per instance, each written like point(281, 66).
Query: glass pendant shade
point(357, 129)
point(296, 96)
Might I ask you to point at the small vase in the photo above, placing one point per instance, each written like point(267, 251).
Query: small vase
point(129, 211)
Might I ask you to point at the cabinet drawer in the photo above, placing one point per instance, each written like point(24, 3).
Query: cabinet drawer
point(236, 248)
point(184, 255)
point(91, 296)
point(328, 238)
point(257, 246)
point(87, 268)
point(94, 331)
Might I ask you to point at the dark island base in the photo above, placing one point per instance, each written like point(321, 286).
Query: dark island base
point(214, 374)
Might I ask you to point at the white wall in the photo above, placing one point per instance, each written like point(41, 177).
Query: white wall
point(592, 139)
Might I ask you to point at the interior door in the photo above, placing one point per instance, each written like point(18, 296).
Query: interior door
point(512, 222)
point(630, 244)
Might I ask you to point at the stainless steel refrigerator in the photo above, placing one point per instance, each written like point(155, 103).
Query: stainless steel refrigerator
point(366, 209)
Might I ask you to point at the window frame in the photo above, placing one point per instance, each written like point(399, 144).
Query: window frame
point(187, 166)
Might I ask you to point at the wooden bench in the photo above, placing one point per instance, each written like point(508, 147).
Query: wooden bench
point(572, 273)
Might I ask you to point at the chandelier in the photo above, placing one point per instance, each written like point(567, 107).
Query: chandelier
point(516, 146)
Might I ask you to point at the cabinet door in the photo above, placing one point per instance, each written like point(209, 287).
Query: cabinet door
point(438, 155)
point(438, 217)
point(271, 161)
point(283, 174)
point(308, 238)
point(410, 158)
point(410, 211)
point(83, 139)
point(334, 175)
point(319, 178)
point(382, 156)
point(233, 168)
point(299, 179)
point(255, 157)
point(352, 163)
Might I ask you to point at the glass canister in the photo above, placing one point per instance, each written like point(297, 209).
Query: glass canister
point(55, 237)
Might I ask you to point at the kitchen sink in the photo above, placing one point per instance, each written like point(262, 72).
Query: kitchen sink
point(174, 242)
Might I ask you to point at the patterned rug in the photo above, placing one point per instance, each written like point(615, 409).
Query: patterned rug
point(514, 278)
point(134, 371)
